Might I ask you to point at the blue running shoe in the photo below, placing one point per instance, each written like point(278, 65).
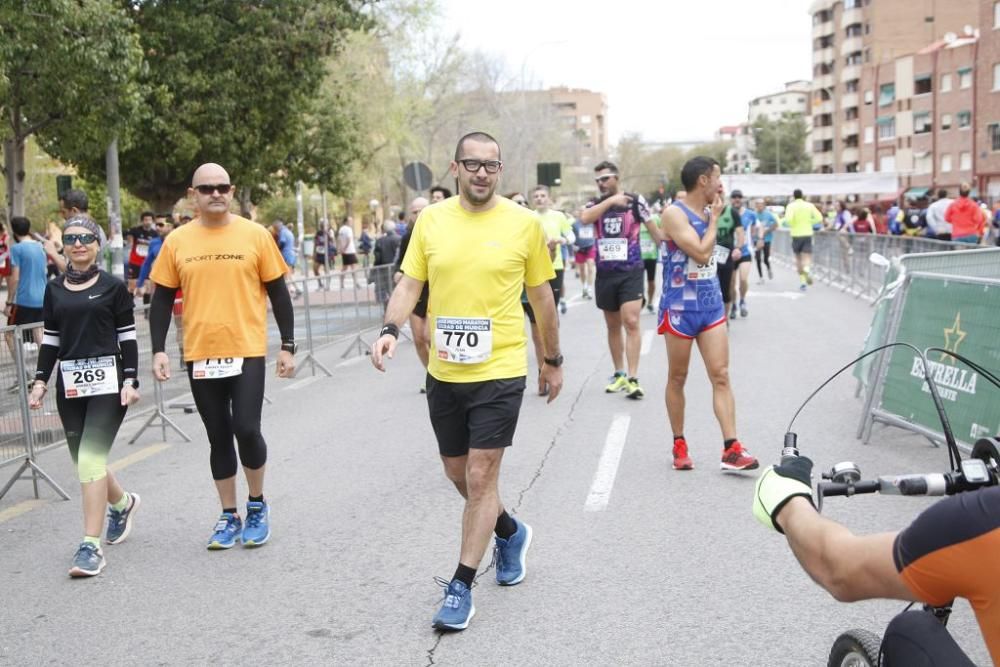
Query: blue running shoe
point(120, 523)
point(510, 554)
point(226, 532)
point(257, 528)
point(457, 609)
point(88, 561)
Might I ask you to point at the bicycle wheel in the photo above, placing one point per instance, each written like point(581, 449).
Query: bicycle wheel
point(855, 648)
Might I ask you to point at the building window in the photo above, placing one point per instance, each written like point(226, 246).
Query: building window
point(946, 163)
point(965, 77)
point(869, 97)
point(886, 128)
point(869, 134)
point(584, 120)
point(993, 130)
point(887, 163)
point(922, 122)
point(946, 83)
point(851, 113)
point(853, 30)
point(869, 167)
point(854, 59)
point(964, 119)
point(965, 161)
point(886, 94)
point(996, 14)
point(922, 84)
point(996, 77)
point(922, 164)
point(852, 4)
point(768, 101)
point(851, 86)
point(946, 121)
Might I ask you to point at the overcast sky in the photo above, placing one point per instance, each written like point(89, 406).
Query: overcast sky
point(671, 70)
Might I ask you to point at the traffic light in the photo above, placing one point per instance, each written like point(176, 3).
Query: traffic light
point(549, 173)
point(63, 183)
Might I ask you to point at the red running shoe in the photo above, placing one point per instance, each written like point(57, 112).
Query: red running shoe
point(737, 458)
point(681, 459)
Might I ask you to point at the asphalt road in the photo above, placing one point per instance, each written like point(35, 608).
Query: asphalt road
point(665, 568)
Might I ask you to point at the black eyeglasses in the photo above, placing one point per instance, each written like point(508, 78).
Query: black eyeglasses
point(84, 239)
point(222, 188)
point(472, 166)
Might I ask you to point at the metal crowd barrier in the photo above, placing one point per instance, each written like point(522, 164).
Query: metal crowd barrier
point(332, 309)
point(840, 259)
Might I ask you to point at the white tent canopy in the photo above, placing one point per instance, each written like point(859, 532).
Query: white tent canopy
point(813, 185)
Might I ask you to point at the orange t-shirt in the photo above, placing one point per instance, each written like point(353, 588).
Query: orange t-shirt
point(952, 550)
point(222, 271)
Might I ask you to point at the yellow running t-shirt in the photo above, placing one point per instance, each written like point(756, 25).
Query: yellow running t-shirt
point(556, 225)
point(475, 265)
point(222, 271)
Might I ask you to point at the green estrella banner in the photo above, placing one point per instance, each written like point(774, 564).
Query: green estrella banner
point(956, 315)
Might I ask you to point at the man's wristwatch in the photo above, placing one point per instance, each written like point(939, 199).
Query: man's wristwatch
point(131, 382)
point(289, 346)
point(555, 361)
point(389, 329)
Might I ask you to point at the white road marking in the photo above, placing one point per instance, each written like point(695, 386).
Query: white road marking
point(777, 295)
point(647, 342)
point(607, 467)
point(301, 383)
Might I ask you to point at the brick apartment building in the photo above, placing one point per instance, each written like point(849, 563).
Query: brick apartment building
point(986, 137)
point(849, 34)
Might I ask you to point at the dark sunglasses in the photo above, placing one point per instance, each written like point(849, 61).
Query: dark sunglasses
point(473, 166)
point(84, 239)
point(222, 188)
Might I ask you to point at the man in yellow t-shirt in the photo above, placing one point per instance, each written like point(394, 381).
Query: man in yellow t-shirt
point(801, 217)
point(477, 251)
point(226, 266)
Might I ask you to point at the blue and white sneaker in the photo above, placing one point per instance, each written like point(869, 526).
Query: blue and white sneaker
point(120, 523)
point(510, 554)
point(227, 530)
point(88, 561)
point(257, 528)
point(457, 608)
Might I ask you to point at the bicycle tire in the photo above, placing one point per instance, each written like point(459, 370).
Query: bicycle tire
point(855, 648)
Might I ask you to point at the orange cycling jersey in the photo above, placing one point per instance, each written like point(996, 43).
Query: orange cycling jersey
point(952, 550)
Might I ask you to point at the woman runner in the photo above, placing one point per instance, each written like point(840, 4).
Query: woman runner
point(90, 329)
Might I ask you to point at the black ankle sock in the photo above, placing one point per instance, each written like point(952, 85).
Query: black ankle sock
point(465, 574)
point(728, 443)
point(229, 510)
point(505, 526)
point(678, 437)
point(633, 379)
point(256, 499)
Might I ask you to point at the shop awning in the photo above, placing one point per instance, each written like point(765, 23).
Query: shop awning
point(916, 193)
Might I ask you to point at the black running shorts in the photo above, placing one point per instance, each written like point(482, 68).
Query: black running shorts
point(612, 289)
point(802, 244)
point(474, 415)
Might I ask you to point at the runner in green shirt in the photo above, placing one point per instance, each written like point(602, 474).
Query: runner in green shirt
point(650, 258)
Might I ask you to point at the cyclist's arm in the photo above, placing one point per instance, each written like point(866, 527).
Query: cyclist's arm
point(848, 566)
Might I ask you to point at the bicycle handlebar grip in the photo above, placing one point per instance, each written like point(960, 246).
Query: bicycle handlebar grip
point(923, 485)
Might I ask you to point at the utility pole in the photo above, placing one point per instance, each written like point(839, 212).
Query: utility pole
point(116, 241)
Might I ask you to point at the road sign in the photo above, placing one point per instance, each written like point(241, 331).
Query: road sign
point(417, 176)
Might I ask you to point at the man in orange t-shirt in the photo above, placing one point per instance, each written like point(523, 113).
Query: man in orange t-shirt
point(227, 266)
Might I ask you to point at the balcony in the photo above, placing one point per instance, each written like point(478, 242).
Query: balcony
point(852, 16)
point(820, 5)
point(850, 73)
point(849, 128)
point(827, 55)
point(848, 155)
point(824, 159)
point(823, 29)
point(822, 133)
point(851, 45)
point(823, 81)
point(823, 107)
point(848, 100)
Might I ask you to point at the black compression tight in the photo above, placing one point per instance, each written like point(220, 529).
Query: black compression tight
point(765, 254)
point(231, 407)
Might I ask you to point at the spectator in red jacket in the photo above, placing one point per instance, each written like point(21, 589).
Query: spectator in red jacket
point(966, 218)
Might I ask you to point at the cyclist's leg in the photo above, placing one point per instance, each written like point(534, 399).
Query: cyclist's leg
point(917, 639)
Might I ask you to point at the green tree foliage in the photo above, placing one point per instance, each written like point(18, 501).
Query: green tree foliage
point(67, 76)
point(227, 82)
point(780, 145)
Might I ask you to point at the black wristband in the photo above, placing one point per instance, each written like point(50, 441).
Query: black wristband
point(289, 346)
point(390, 329)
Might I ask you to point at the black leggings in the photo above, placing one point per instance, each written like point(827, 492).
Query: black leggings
point(917, 639)
point(231, 406)
point(766, 253)
point(91, 424)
